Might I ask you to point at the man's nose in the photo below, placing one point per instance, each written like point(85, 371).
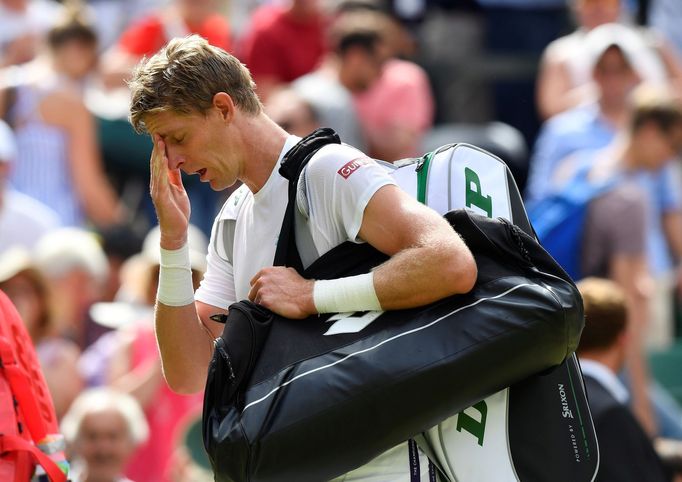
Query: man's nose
point(175, 160)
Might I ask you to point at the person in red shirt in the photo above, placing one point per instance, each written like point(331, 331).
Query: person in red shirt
point(283, 42)
point(149, 34)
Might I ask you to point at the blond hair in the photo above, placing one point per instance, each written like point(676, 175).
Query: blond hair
point(657, 105)
point(184, 76)
point(605, 313)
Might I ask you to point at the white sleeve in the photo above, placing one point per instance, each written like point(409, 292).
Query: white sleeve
point(340, 181)
point(217, 286)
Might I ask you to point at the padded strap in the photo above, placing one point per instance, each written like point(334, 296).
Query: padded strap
point(292, 165)
point(12, 443)
point(20, 383)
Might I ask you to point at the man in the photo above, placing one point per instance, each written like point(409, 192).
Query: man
point(358, 52)
point(103, 428)
point(198, 103)
point(625, 452)
point(592, 125)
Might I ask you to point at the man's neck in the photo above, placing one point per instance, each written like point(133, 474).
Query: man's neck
point(263, 141)
point(609, 358)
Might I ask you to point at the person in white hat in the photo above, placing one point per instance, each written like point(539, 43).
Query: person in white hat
point(24, 283)
point(564, 75)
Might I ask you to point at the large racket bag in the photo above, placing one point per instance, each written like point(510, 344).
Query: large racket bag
point(309, 400)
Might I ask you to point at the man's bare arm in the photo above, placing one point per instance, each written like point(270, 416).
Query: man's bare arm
point(185, 336)
point(429, 261)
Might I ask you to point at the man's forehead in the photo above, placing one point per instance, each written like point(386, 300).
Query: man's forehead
point(166, 121)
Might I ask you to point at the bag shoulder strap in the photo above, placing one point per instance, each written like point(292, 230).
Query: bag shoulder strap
point(422, 182)
point(292, 165)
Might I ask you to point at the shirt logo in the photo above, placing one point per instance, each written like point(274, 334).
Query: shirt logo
point(352, 166)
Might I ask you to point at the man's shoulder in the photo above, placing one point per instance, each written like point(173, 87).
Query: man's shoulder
point(234, 202)
point(337, 159)
point(602, 402)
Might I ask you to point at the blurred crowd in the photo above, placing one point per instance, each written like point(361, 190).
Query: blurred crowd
point(556, 88)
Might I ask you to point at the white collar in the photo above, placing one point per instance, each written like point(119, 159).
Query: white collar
point(288, 145)
point(606, 378)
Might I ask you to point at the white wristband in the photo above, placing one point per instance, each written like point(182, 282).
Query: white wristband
point(175, 277)
point(355, 293)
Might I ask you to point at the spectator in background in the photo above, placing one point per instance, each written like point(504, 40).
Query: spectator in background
point(149, 34)
point(392, 97)
point(593, 125)
point(626, 452)
point(75, 267)
point(23, 220)
point(354, 64)
point(135, 368)
point(564, 77)
point(103, 429)
point(23, 25)
point(283, 42)
point(28, 289)
point(292, 112)
point(58, 160)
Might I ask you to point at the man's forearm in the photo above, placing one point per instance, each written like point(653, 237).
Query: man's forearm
point(185, 346)
point(421, 275)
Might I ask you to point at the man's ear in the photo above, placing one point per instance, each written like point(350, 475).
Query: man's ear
point(225, 105)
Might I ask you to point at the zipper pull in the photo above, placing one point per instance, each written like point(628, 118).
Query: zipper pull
point(219, 317)
point(219, 344)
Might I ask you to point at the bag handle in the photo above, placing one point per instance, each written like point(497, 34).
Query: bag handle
point(423, 176)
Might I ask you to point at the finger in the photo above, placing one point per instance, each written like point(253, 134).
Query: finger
point(253, 293)
point(256, 277)
point(256, 285)
point(160, 165)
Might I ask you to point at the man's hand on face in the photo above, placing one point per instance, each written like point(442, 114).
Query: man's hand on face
point(283, 291)
point(170, 199)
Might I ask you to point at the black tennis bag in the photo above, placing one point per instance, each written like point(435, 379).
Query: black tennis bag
point(308, 400)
